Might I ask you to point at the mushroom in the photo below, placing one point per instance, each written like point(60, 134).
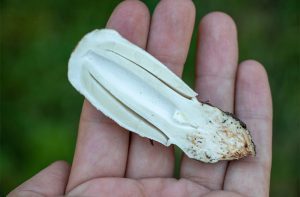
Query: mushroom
point(142, 95)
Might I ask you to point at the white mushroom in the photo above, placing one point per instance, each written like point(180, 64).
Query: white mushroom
point(142, 95)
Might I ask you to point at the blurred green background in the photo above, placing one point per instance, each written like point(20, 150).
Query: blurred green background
point(40, 110)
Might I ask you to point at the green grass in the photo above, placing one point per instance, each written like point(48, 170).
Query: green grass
point(40, 110)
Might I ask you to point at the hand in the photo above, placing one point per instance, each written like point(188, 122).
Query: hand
point(110, 161)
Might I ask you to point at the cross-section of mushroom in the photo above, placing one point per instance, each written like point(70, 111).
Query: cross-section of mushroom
point(142, 95)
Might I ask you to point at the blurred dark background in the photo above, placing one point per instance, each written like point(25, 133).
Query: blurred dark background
point(40, 110)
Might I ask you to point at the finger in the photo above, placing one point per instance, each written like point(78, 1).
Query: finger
point(169, 39)
point(251, 175)
point(216, 68)
point(102, 145)
point(51, 181)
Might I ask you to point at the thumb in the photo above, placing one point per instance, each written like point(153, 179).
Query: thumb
point(51, 181)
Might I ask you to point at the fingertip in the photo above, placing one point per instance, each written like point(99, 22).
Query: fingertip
point(136, 5)
point(220, 21)
point(131, 7)
point(131, 18)
point(185, 7)
point(254, 67)
point(252, 76)
point(188, 4)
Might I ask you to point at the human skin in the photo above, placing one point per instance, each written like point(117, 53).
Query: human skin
point(110, 161)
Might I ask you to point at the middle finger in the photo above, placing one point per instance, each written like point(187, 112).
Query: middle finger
point(169, 40)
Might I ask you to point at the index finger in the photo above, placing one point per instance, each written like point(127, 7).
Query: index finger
point(102, 145)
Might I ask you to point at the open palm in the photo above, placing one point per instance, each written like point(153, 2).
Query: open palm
point(110, 161)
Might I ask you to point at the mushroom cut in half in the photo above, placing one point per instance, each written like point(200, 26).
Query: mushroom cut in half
point(142, 95)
